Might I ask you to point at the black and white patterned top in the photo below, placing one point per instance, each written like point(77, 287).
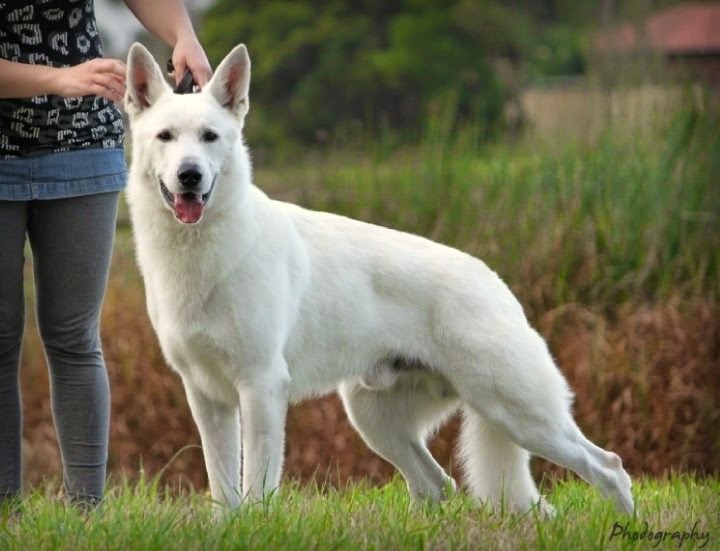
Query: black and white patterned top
point(59, 33)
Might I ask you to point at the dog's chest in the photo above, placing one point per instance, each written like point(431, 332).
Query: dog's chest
point(194, 348)
point(201, 357)
point(194, 335)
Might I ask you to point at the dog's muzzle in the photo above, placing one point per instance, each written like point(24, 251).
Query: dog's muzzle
point(187, 206)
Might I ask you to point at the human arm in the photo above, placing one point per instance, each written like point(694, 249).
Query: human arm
point(169, 21)
point(100, 77)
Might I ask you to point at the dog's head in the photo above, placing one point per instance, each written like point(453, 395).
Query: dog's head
point(183, 142)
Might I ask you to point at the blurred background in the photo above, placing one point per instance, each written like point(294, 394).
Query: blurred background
point(574, 145)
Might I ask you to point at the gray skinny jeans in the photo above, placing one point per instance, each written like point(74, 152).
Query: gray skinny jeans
point(71, 241)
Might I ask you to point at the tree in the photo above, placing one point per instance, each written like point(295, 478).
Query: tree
point(322, 67)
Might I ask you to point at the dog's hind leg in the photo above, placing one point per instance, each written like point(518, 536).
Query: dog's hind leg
point(520, 392)
point(394, 423)
point(219, 427)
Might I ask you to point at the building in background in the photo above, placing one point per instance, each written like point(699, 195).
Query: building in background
point(686, 37)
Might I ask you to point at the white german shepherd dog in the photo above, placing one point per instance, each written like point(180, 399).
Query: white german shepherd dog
point(259, 303)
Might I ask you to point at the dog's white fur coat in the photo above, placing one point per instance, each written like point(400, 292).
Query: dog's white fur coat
point(262, 303)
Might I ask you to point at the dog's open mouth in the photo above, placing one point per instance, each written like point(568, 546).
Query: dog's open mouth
point(188, 207)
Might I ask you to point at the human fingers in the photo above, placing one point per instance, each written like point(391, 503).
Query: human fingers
point(104, 92)
point(111, 94)
point(114, 85)
point(108, 65)
point(101, 77)
point(105, 78)
point(190, 55)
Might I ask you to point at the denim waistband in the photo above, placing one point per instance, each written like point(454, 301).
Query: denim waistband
point(64, 174)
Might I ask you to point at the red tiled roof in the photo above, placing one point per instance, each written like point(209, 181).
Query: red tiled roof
point(683, 29)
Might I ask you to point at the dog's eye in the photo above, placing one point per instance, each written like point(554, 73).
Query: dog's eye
point(209, 136)
point(164, 136)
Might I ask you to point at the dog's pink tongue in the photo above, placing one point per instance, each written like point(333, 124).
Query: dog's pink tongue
point(188, 207)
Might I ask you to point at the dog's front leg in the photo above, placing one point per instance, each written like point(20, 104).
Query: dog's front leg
point(219, 427)
point(263, 406)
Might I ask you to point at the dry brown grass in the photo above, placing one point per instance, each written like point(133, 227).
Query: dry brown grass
point(646, 378)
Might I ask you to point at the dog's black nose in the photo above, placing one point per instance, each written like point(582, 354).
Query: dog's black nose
point(189, 175)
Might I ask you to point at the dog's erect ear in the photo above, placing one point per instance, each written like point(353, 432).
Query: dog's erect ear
point(145, 82)
point(231, 82)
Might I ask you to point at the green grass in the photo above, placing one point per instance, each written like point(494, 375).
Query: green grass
point(363, 517)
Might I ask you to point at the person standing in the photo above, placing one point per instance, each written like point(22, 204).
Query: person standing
point(62, 168)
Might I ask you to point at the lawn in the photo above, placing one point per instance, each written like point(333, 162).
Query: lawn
point(680, 512)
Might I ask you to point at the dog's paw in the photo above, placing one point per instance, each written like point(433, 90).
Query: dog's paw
point(544, 509)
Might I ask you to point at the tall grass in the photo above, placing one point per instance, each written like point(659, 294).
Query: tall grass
point(600, 224)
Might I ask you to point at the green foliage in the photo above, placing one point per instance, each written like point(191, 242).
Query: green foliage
point(340, 70)
point(329, 68)
point(559, 52)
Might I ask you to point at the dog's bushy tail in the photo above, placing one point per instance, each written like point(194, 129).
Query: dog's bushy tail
point(497, 470)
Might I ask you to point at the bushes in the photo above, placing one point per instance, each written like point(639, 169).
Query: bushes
point(330, 68)
point(323, 71)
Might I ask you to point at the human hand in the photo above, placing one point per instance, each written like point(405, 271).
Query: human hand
point(188, 54)
point(100, 77)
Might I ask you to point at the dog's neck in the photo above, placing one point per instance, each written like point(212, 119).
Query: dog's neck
point(196, 256)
